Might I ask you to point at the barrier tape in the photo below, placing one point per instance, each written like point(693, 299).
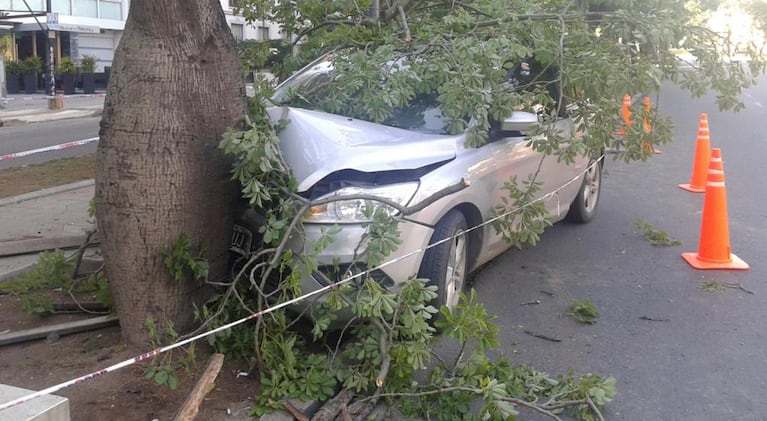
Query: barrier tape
point(30, 98)
point(158, 351)
point(48, 148)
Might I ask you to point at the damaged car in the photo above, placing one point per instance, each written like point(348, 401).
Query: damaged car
point(455, 190)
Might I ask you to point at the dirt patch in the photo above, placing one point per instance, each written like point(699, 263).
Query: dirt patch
point(124, 394)
point(29, 178)
point(121, 395)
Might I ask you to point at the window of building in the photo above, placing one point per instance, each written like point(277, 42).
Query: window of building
point(263, 33)
point(19, 5)
point(61, 6)
point(85, 8)
point(111, 9)
point(233, 3)
point(237, 31)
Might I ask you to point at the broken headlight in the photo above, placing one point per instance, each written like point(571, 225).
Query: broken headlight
point(352, 209)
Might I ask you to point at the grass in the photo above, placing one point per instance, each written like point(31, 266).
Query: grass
point(29, 178)
point(655, 237)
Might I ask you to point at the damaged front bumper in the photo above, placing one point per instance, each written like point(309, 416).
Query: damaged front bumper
point(340, 260)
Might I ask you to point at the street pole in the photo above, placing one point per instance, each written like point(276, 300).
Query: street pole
point(49, 46)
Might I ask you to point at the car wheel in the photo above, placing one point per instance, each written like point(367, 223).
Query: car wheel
point(446, 264)
point(584, 207)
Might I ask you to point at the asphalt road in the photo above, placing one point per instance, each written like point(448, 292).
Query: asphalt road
point(32, 136)
point(704, 357)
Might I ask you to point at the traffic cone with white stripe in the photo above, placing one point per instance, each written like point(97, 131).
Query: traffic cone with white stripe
point(648, 127)
point(697, 182)
point(714, 247)
point(625, 114)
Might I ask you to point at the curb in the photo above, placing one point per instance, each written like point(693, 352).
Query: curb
point(46, 192)
point(15, 273)
point(20, 121)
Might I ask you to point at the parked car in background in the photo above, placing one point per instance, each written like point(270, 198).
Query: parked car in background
point(409, 160)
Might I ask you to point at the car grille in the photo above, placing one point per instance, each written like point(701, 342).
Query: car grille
point(331, 274)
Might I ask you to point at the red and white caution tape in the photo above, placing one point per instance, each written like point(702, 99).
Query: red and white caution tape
point(48, 148)
point(30, 98)
point(158, 351)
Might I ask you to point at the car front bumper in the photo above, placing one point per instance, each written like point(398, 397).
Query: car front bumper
point(334, 261)
point(396, 268)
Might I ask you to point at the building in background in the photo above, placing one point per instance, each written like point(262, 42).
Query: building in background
point(88, 27)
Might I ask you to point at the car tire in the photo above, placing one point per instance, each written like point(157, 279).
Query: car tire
point(584, 206)
point(251, 221)
point(446, 264)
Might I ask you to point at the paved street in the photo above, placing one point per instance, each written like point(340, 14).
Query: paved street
point(38, 135)
point(702, 357)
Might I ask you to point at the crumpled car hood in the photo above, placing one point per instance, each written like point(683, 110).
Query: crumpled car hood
point(316, 144)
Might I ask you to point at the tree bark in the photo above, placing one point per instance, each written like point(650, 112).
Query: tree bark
point(176, 85)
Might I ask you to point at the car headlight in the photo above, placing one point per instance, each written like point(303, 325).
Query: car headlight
point(357, 210)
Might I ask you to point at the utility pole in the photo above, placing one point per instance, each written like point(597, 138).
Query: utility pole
point(49, 41)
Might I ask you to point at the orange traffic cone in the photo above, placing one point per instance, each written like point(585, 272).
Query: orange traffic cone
point(714, 247)
point(626, 113)
point(702, 156)
point(648, 126)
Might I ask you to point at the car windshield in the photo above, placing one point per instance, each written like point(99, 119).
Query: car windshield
point(421, 114)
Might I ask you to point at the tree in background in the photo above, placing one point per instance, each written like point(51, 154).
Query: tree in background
point(176, 85)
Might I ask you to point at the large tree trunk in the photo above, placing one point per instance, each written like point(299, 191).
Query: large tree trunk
point(176, 85)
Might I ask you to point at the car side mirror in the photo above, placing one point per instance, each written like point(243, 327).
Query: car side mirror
point(520, 122)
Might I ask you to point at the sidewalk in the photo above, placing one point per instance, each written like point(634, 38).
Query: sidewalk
point(58, 215)
point(25, 109)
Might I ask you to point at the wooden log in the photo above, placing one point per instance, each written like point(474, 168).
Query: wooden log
point(332, 407)
point(191, 406)
point(295, 412)
point(81, 308)
point(58, 329)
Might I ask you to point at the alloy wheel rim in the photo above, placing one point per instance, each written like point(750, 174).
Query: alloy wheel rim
point(591, 190)
point(456, 270)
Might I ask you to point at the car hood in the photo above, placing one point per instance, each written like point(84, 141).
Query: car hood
point(316, 144)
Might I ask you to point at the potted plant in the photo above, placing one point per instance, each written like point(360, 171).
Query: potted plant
point(88, 68)
point(66, 71)
point(12, 73)
point(30, 67)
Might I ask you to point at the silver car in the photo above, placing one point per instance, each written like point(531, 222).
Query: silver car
point(336, 156)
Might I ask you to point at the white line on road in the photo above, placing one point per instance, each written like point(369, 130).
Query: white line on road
point(48, 148)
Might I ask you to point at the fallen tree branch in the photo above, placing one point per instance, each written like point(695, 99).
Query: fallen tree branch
point(295, 412)
point(191, 406)
point(80, 252)
point(541, 336)
point(534, 407)
point(594, 408)
point(332, 407)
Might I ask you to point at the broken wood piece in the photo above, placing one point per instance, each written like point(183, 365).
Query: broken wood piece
point(654, 319)
point(345, 415)
point(738, 285)
point(541, 336)
point(295, 412)
point(332, 407)
point(360, 410)
point(529, 303)
point(58, 329)
point(191, 406)
point(82, 307)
